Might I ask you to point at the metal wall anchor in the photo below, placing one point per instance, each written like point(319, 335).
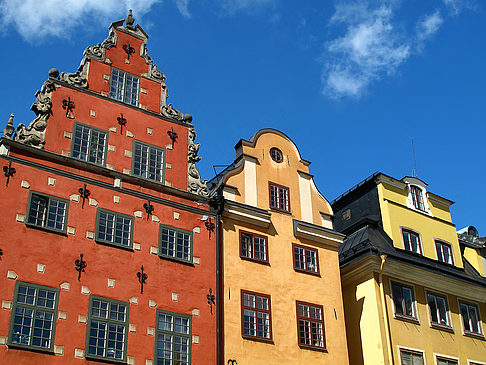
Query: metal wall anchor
point(80, 266)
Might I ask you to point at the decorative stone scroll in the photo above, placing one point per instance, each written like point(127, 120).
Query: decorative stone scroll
point(194, 183)
point(34, 134)
point(74, 79)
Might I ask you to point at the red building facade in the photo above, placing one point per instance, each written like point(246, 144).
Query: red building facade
point(108, 239)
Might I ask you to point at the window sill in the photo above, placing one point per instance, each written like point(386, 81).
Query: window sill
point(258, 339)
point(262, 262)
point(479, 336)
point(105, 359)
point(313, 273)
point(178, 261)
point(46, 229)
point(273, 209)
point(109, 244)
point(16, 346)
point(313, 348)
point(407, 318)
point(442, 327)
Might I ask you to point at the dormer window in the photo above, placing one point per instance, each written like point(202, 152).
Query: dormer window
point(417, 198)
point(124, 86)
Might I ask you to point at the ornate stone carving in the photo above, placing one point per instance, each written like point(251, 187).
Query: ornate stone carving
point(156, 74)
point(34, 134)
point(75, 79)
point(110, 41)
point(169, 111)
point(194, 183)
point(95, 52)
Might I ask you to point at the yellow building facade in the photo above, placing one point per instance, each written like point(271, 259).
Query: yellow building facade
point(410, 295)
point(281, 289)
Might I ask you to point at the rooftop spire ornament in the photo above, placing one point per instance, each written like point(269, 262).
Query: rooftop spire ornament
point(9, 129)
point(129, 20)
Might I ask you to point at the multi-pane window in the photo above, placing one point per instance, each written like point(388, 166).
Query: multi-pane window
point(175, 243)
point(439, 309)
point(411, 358)
point(148, 161)
point(256, 315)
point(89, 144)
point(417, 197)
point(444, 361)
point(33, 318)
point(107, 329)
point(444, 252)
point(124, 86)
point(47, 212)
point(403, 299)
point(305, 259)
point(253, 246)
point(114, 228)
point(411, 241)
point(470, 318)
point(173, 339)
point(310, 323)
point(279, 197)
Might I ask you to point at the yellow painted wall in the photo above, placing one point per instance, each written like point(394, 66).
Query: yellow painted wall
point(431, 340)
point(278, 279)
point(474, 257)
point(397, 216)
point(364, 323)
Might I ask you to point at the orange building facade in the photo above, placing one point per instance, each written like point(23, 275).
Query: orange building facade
point(108, 238)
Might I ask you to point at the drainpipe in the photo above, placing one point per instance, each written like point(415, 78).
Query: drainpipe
point(219, 205)
point(385, 312)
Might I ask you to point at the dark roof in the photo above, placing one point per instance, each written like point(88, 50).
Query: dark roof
point(372, 240)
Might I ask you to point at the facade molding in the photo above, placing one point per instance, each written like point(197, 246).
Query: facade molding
point(247, 214)
point(318, 234)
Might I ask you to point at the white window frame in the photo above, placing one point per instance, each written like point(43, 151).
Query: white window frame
point(415, 317)
point(444, 242)
point(420, 247)
point(447, 326)
point(438, 357)
point(410, 349)
point(480, 322)
point(412, 181)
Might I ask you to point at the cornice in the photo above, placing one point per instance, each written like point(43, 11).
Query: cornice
point(439, 201)
point(317, 233)
point(384, 179)
point(414, 275)
point(247, 214)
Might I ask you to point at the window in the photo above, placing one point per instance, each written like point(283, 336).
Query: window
point(444, 361)
point(175, 243)
point(253, 246)
point(276, 154)
point(124, 86)
point(114, 228)
point(470, 318)
point(310, 325)
point(148, 161)
point(89, 144)
point(439, 310)
point(107, 329)
point(33, 318)
point(444, 252)
point(411, 358)
point(256, 316)
point(411, 241)
point(305, 259)
point(403, 299)
point(48, 212)
point(417, 198)
point(279, 197)
point(173, 338)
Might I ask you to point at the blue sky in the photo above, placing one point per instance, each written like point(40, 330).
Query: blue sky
point(351, 82)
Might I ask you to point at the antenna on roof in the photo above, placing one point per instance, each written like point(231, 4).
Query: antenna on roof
point(414, 170)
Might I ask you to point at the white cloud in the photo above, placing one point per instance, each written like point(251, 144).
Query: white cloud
point(36, 19)
point(429, 25)
point(370, 49)
point(183, 7)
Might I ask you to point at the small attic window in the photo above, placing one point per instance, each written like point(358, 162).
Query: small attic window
point(417, 197)
point(276, 154)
